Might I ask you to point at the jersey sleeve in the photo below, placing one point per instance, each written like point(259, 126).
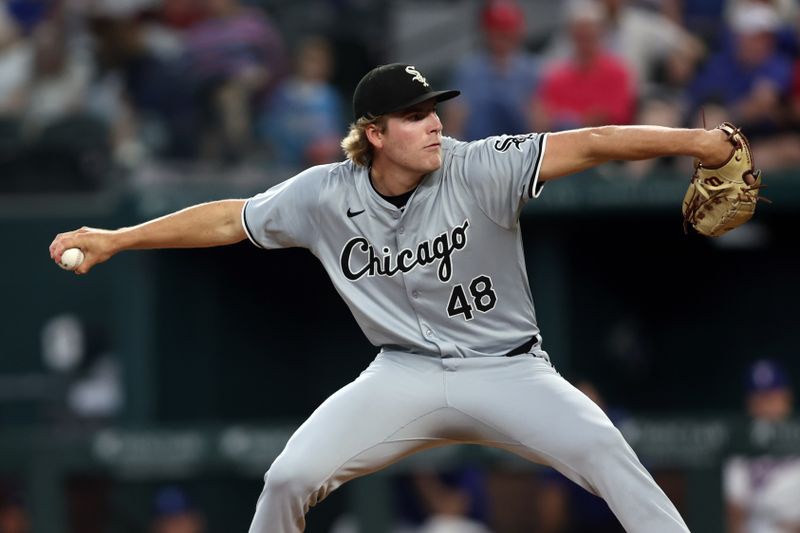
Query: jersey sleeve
point(502, 173)
point(283, 216)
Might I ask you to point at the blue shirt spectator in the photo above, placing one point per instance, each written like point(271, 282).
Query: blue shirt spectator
point(496, 81)
point(495, 98)
point(303, 121)
point(750, 79)
point(726, 81)
point(461, 493)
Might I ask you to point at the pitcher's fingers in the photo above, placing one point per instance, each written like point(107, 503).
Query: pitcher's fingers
point(64, 243)
point(84, 268)
point(54, 244)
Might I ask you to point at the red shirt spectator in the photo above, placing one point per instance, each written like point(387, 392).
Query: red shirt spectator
point(589, 88)
point(601, 92)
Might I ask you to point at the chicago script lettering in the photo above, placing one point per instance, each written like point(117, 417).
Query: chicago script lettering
point(359, 258)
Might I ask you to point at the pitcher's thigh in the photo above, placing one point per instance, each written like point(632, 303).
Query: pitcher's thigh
point(365, 426)
point(545, 419)
point(350, 433)
point(526, 400)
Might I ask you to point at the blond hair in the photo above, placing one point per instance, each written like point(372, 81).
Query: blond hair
point(356, 146)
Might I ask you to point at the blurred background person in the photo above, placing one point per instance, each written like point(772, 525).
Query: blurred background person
point(496, 80)
point(748, 83)
point(138, 87)
point(701, 18)
point(174, 512)
point(303, 122)
point(16, 57)
point(788, 12)
point(181, 14)
point(762, 492)
point(14, 516)
point(70, 144)
point(790, 151)
point(660, 52)
point(589, 88)
point(233, 59)
point(451, 501)
point(58, 85)
point(662, 55)
point(61, 145)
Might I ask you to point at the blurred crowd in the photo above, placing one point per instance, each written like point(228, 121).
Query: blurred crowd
point(105, 85)
point(90, 87)
point(661, 62)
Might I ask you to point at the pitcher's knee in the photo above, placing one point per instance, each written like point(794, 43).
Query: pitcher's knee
point(293, 479)
point(609, 438)
point(602, 444)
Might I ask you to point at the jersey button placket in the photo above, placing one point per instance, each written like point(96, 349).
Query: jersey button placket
point(410, 278)
point(400, 245)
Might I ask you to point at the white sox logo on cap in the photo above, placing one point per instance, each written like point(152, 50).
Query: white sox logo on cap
point(393, 87)
point(411, 69)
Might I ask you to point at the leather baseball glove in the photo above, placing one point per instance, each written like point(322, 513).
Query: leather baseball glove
point(724, 197)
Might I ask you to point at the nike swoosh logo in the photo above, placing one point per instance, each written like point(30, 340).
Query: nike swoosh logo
point(351, 214)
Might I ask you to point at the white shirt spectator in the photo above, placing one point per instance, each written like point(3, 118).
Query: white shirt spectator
point(642, 38)
point(768, 489)
point(16, 56)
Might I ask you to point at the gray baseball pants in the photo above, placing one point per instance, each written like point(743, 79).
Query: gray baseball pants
point(405, 403)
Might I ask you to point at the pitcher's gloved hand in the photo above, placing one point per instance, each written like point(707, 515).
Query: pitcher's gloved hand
point(724, 197)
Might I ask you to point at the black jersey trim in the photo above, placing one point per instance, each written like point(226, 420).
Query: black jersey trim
point(247, 228)
point(399, 200)
point(534, 187)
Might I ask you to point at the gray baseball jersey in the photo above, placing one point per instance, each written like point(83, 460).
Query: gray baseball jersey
point(444, 278)
point(445, 274)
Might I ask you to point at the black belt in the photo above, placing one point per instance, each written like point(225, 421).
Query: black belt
point(519, 350)
point(524, 348)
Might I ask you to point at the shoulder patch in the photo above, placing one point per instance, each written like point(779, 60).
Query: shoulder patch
point(503, 144)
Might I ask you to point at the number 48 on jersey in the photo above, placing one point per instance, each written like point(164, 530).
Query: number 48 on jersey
point(479, 295)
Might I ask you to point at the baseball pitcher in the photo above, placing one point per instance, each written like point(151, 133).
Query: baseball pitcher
point(420, 235)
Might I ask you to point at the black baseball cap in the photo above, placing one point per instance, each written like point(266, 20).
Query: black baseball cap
point(389, 88)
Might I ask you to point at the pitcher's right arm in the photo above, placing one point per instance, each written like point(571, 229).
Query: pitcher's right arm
point(200, 226)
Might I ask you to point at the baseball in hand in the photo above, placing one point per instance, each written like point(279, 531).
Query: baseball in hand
point(71, 259)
